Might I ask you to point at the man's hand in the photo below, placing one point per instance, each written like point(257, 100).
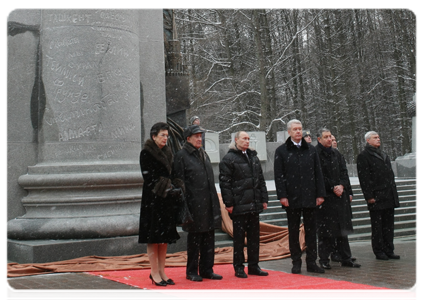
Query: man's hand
point(230, 209)
point(264, 205)
point(350, 198)
point(371, 201)
point(319, 201)
point(338, 190)
point(284, 201)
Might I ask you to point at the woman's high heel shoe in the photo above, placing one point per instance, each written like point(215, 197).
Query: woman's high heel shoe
point(170, 282)
point(161, 283)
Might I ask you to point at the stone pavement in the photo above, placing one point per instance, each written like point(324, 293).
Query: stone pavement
point(393, 274)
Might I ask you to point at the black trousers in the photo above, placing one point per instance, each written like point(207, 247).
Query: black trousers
point(382, 231)
point(294, 220)
point(339, 245)
point(250, 224)
point(200, 252)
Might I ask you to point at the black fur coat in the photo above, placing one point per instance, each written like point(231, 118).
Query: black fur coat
point(157, 217)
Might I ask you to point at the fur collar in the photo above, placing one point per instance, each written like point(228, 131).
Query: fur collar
point(233, 148)
point(164, 155)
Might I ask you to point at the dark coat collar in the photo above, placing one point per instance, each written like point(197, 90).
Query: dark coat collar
point(191, 149)
point(290, 145)
point(164, 155)
point(375, 152)
point(323, 149)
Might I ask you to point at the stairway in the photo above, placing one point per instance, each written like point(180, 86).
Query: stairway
point(405, 215)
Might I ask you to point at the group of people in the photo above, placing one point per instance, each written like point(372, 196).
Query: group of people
point(310, 181)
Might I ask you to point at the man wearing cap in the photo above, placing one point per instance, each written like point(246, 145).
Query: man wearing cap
point(245, 196)
point(192, 165)
point(195, 120)
point(307, 136)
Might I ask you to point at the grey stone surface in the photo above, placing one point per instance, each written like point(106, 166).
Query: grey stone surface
point(281, 136)
point(152, 69)
point(73, 158)
point(22, 147)
point(41, 251)
point(212, 146)
point(406, 165)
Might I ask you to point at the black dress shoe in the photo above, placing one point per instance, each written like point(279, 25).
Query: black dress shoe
point(257, 271)
point(351, 264)
point(194, 277)
point(382, 256)
point(241, 274)
point(161, 283)
point(296, 269)
point(315, 269)
point(326, 266)
point(170, 282)
point(353, 259)
point(212, 276)
point(393, 256)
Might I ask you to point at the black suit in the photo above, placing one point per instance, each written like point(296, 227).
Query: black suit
point(299, 178)
point(377, 182)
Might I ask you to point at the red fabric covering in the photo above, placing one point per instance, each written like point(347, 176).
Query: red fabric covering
point(273, 245)
point(275, 280)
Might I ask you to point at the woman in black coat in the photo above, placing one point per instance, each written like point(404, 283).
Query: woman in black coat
point(157, 218)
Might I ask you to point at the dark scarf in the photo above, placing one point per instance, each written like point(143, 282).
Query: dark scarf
point(376, 151)
point(197, 152)
point(327, 150)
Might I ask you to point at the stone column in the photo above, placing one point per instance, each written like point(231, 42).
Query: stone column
point(87, 182)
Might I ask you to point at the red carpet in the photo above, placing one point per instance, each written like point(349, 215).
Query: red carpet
point(275, 280)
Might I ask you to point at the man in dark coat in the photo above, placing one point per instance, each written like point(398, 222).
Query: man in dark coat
point(245, 195)
point(377, 181)
point(334, 215)
point(300, 188)
point(192, 165)
point(335, 256)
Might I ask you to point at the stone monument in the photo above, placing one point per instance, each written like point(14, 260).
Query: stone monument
point(84, 88)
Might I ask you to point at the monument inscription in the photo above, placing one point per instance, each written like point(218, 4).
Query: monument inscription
point(90, 71)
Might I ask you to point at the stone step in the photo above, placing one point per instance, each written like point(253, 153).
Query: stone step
point(405, 215)
point(365, 219)
point(403, 232)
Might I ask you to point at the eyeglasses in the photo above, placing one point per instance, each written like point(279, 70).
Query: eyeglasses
point(163, 135)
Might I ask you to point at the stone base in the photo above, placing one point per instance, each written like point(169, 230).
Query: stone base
point(408, 165)
point(42, 251)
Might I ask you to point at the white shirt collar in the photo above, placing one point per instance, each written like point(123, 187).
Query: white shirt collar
point(297, 144)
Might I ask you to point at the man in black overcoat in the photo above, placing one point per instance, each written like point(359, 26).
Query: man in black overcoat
point(334, 215)
point(192, 165)
point(244, 194)
point(300, 188)
point(377, 181)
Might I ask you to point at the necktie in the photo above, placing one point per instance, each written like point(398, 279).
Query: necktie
point(248, 159)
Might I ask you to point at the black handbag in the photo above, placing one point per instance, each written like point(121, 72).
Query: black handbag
point(183, 216)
